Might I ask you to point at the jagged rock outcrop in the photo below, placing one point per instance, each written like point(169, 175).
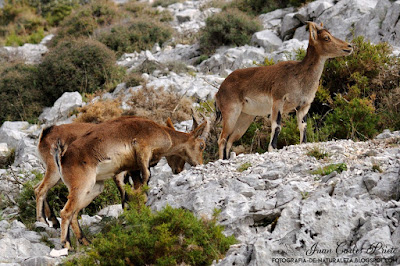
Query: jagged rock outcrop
point(278, 209)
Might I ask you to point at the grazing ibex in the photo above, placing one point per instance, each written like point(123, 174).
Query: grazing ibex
point(274, 90)
point(113, 147)
point(67, 133)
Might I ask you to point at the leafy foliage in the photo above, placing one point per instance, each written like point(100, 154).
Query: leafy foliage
point(168, 237)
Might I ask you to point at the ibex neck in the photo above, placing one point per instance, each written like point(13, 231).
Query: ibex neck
point(176, 138)
point(313, 63)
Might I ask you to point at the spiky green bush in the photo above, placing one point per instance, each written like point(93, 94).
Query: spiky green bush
point(168, 237)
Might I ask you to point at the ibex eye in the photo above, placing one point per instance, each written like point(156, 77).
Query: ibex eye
point(202, 145)
point(327, 38)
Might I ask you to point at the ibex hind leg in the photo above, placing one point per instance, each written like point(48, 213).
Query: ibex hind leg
point(79, 197)
point(302, 122)
point(229, 120)
point(43, 210)
point(241, 126)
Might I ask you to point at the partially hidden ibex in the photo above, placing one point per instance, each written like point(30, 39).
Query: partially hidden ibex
point(68, 133)
point(274, 90)
point(113, 147)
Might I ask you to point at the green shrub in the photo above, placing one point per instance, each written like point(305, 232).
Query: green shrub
point(230, 27)
point(355, 119)
point(57, 197)
point(19, 92)
point(136, 36)
point(82, 65)
point(19, 24)
point(143, 10)
point(168, 237)
point(56, 11)
point(84, 21)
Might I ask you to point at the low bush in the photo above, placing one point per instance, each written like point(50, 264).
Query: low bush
point(82, 65)
point(21, 97)
point(19, 23)
point(143, 10)
point(133, 79)
point(137, 35)
point(168, 237)
point(257, 7)
point(85, 20)
point(230, 27)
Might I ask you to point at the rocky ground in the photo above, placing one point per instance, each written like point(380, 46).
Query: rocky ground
point(276, 207)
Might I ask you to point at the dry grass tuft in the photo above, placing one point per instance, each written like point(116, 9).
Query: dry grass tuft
point(159, 104)
point(99, 111)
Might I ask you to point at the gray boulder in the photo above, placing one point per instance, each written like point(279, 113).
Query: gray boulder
point(266, 39)
point(61, 108)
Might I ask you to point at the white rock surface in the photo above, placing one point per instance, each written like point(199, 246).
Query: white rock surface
point(61, 108)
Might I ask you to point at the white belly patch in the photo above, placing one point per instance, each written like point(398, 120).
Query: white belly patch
point(106, 170)
point(261, 106)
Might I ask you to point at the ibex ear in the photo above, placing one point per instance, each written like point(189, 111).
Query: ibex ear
point(202, 130)
point(312, 27)
point(169, 123)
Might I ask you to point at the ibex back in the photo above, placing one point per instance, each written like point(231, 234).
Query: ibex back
point(274, 90)
point(116, 146)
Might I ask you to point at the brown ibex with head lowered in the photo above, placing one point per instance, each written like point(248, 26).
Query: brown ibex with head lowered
point(113, 147)
point(67, 133)
point(274, 90)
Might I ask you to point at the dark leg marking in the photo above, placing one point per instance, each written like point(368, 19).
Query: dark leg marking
point(274, 142)
point(279, 118)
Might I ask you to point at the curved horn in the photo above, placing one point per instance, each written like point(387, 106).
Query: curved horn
point(206, 130)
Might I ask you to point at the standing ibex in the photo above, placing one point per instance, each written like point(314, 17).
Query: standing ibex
point(274, 90)
point(67, 133)
point(113, 147)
